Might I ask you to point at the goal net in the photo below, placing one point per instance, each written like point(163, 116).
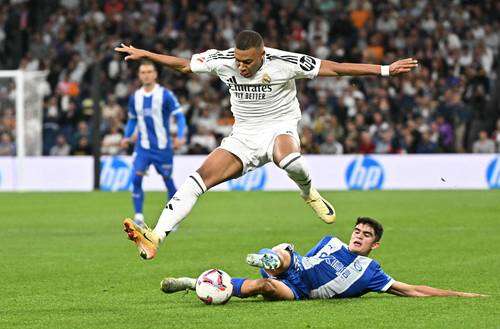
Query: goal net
point(21, 109)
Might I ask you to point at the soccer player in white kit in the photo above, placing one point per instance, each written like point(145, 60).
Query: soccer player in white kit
point(266, 111)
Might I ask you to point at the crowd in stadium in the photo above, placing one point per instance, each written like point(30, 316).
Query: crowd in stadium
point(444, 106)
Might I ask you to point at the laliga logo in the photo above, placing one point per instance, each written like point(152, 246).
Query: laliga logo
point(493, 173)
point(251, 181)
point(364, 173)
point(115, 175)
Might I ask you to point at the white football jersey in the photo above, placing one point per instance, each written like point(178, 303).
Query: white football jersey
point(269, 96)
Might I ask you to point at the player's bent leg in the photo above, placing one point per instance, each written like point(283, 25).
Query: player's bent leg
point(286, 155)
point(219, 166)
point(171, 285)
point(147, 241)
point(285, 261)
point(268, 260)
point(273, 261)
point(270, 289)
point(180, 205)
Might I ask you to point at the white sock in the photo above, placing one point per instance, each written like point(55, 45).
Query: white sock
point(296, 168)
point(139, 217)
point(180, 205)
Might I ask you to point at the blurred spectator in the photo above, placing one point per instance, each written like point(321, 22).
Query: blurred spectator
point(360, 13)
point(336, 128)
point(62, 148)
point(82, 147)
point(445, 134)
point(111, 141)
point(366, 145)
point(496, 135)
point(7, 147)
point(112, 112)
point(206, 118)
point(426, 145)
point(331, 146)
point(385, 143)
point(483, 144)
point(457, 46)
point(8, 120)
point(203, 141)
point(224, 123)
point(82, 131)
point(307, 142)
point(67, 87)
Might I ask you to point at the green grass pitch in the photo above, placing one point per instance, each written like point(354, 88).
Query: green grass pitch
point(65, 263)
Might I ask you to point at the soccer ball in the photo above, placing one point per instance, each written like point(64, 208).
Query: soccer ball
point(214, 287)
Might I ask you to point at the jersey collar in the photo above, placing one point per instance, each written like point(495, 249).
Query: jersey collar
point(147, 94)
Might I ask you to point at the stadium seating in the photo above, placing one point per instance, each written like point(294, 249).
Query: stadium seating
point(442, 107)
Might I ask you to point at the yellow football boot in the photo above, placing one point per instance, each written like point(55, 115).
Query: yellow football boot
point(146, 240)
point(323, 208)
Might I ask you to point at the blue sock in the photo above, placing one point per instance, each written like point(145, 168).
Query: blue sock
point(264, 274)
point(237, 283)
point(169, 183)
point(137, 193)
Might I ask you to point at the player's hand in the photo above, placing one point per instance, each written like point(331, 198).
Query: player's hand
point(179, 142)
point(473, 295)
point(402, 66)
point(124, 143)
point(133, 53)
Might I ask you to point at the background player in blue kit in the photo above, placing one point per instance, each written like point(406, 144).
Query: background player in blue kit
point(149, 109)
point(331, 269)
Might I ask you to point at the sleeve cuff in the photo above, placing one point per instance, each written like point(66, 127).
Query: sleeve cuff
point(196, 64)
point(315, 72)
point(388, 285)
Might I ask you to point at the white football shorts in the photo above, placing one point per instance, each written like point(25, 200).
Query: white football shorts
point(254, 147)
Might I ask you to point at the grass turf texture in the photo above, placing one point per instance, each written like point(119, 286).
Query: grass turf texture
point(65, 263)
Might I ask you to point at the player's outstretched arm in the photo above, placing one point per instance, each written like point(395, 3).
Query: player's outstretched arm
point(408, 290)
point(176, 63)
point(330, 69)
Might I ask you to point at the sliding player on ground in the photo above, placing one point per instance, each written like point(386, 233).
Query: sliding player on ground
point(331, 269)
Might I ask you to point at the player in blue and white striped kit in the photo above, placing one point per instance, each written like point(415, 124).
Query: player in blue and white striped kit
point(331, 269)
point(149, 110)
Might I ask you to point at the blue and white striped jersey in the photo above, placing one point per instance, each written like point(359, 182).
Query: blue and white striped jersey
point(330, 270)
point(151, 113)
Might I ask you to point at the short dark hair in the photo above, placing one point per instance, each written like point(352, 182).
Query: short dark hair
point(374, 224)
point(247, 39)
point(147, 62)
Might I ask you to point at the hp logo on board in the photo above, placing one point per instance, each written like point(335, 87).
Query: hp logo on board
point(493, 173)
point(364, 173)
point(115, 174)
point(251, 181)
